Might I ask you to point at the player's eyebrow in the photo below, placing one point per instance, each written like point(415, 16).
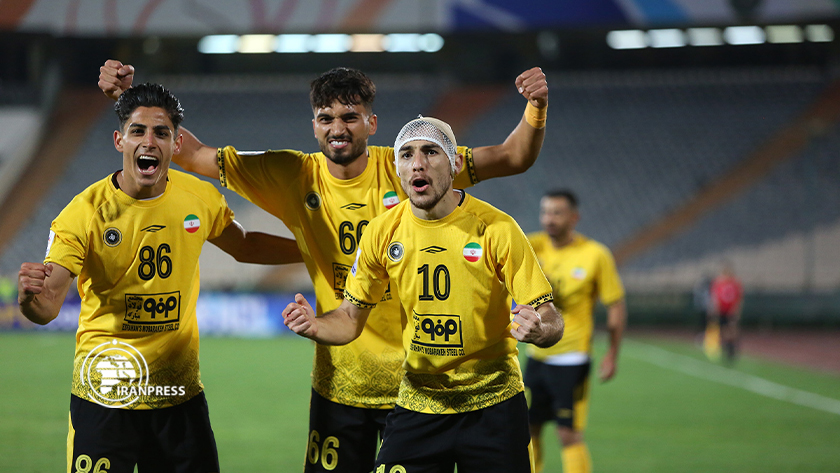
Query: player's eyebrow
point(424, 147)
point(143, 127)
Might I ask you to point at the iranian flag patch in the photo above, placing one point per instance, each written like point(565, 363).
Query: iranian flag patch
point(472, 252)
point(391, 199)
point(192, 223)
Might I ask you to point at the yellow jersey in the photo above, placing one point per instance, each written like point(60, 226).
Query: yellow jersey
point(579, 272)
point(138, 278)
point(327, 216)
point(455, 278)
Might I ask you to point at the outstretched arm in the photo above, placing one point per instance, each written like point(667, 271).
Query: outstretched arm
point(196, 157)
point(616, 320)
point(257, 247)
point(41, 290)
point(521, 148)
point(542, 326)
point(337, 327)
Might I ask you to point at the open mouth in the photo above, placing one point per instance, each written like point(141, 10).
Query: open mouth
point(147, 164)
point(419, 185)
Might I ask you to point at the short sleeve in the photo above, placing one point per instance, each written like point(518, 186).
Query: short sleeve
point(68, 241)
point(222, 216)
point(263, 177)
point(466, 178)
point(517, 266)
point(610, 288)
point(368, 278)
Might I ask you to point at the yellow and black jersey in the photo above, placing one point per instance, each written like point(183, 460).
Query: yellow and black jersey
point(138, 277)
point(579, 272)
point(455, 278)
point(327, 216)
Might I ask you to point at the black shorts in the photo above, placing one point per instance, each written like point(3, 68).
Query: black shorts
point(558, 393)
point(493, 439)
point(175, 439)
point(342, 439)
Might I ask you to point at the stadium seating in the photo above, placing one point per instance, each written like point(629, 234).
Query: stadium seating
point(633, 145)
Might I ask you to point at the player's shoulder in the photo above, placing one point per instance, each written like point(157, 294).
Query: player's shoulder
point(486, 212)
point(537, 238)
point(191, 184)
point(594, 246)
point(391, 219)
point(385, 153)
point(94, 196)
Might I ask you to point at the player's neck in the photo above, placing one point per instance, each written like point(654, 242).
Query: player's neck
point(135, 191)
point(349, 170)
point(445, 206)
point(563, 239)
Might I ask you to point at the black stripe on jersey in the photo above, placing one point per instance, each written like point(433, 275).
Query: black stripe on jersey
point(357, 302)
point(541, 300)
point(220, 159)
point(468, 158)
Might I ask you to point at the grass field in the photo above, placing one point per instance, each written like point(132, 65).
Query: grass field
point(668, 410)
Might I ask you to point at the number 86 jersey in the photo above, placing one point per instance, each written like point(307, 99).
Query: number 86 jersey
point(138, 278)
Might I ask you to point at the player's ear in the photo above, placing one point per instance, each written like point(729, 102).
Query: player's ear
point(118, 141)
point(372, 121)
point(459, 164)
point(179, 141)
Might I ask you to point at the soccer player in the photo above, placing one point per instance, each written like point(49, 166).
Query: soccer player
point(580, 270)
point(725, 310)
point(134, 239)
point(327, 199)
point(455, 262)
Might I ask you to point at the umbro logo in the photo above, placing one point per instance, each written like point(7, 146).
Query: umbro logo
point(353, 206)
point(153, 228)
point(433, 249)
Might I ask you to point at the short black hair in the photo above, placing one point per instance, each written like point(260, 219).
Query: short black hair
point(343, 84)
point(148, 95)
point(564, 194)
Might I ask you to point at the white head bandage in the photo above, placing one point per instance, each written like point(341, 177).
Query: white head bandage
point(427, 129)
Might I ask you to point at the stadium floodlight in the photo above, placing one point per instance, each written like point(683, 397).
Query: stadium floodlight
point(292, 43)
point(741, 35)
point(256, 43)
point(666, 38)
point(704, 37)
point(402, 43)
point(367, 43)
point(331, 43)
point(784, 34)
point(627, 39)
point(819, 33)
point(219, 44)
point(431, 42)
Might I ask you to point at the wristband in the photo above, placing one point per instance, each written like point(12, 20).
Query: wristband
point(535, 116)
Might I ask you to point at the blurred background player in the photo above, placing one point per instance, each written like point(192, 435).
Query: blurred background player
point(327, 199)
point(134, 239)
point(727, 297)
point(456, 261)
point(580, 271)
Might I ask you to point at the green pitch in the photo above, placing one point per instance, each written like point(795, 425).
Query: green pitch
point(668, 410)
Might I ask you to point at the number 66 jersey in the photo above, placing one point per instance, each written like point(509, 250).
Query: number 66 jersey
point(138, 278)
